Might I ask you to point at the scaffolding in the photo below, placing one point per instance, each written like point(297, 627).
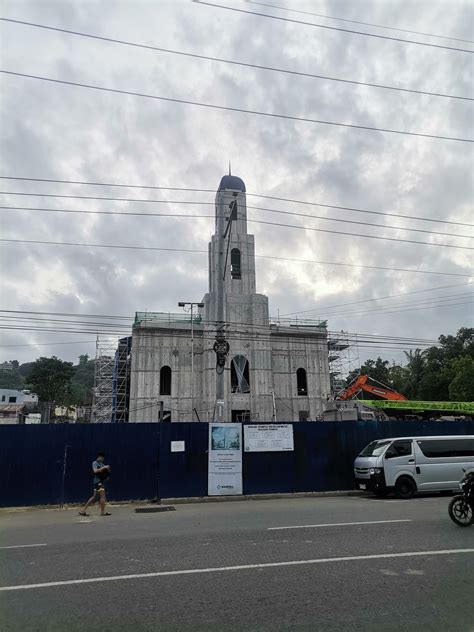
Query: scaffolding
point(343, 357)
point(111, 391)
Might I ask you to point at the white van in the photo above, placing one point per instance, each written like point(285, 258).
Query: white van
point(410, 464)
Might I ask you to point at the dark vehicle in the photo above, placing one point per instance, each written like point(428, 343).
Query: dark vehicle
point(461, 507)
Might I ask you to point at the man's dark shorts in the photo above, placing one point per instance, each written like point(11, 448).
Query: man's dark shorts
point(99, 487)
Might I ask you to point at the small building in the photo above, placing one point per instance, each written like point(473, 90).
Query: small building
point(12, 414)
point(12, 396)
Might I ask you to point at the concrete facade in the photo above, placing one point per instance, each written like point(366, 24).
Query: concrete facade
point(272, 370)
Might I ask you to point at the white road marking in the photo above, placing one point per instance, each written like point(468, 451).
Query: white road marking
point(335, 524)
point(242, 567)
point(20, 546)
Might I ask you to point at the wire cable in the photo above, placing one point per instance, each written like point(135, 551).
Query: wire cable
point(314, 309)
point(195, 216)
point(225, 108)
point(330, 28)
point(369, 300)
point(48, 344)
point(438, 301)
point(228, 322)
point(240, 337)
point(268, 197)
point(196, 251)
point(234, 62)
point(379, 26)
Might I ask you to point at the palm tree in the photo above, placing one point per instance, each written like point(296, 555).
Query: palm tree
point(416, 365)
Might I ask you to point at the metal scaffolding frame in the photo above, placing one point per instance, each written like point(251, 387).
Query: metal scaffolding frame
point(343, 356)
point(111, 390)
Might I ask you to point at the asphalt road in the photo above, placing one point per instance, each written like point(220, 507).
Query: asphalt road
point(235, 566)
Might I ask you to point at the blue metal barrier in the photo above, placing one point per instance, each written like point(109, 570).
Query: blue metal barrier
point(32, 459)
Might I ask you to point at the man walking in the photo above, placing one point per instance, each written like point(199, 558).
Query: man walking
point(101, 474)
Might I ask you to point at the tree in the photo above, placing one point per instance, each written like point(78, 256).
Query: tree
point(83, 380)
point(10, 378)
point(415, 371)
point(50, 378)
point(462, 344)
point(376, 369)
point(461, 388)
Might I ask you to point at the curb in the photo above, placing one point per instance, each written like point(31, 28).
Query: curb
point(192, 500)
point(220, 499)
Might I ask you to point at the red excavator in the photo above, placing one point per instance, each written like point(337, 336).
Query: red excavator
point(361, 383)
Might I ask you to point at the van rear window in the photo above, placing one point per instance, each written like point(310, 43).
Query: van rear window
point(442, 448)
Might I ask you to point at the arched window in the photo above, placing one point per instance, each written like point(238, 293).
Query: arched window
point(235, 271)
point(165, 380)
point(239, 375)
point(301, 382)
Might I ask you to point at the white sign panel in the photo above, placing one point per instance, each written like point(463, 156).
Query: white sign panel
point(269, 438)
point(225, 460)
point(177, 446)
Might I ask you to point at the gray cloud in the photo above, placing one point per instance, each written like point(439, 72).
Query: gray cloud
point(69, 133)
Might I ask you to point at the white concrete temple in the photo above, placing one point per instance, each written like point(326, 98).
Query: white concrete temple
point(273, 370)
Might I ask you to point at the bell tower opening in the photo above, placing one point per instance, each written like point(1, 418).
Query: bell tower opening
point(235, 269)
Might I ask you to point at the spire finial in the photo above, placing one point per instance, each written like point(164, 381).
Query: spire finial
point(229, 169)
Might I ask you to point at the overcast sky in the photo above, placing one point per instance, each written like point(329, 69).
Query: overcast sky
point(70, 133)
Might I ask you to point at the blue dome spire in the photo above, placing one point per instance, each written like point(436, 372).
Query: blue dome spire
point(232, 182)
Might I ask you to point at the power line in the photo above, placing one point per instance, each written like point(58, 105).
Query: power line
point(445, 301)
point(49, 344)
point(377, 237)
point(232, 327)
point(378, 298)
point(399, 311)
point(228, 322)
point(25, 315)
point(379, 26)
point(196, 251)
point(357, 265)
point(74, 316)
point(234, 62)
point(268, 197)
point(254, 337)
point(330, 28)
point(195, 216)
point(225, 108)
point(436, 302)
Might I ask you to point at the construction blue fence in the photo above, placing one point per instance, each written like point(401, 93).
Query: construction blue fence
point(50, 464)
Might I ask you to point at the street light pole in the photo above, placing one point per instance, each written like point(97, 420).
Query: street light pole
point(191, 305)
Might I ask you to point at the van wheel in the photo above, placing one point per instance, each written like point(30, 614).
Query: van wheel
point(405, 488)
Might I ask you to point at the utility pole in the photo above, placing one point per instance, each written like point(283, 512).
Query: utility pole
point(191, 305)
point(221, 346)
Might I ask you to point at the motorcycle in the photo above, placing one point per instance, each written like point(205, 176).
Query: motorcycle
point(461, 507)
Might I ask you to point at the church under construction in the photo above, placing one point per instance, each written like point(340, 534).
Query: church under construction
point(268, 370)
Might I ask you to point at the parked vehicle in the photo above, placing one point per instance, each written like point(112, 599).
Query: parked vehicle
point(461, 507)
point(407, 465)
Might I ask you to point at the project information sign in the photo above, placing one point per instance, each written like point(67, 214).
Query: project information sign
point(225, 460)
point(269, 438)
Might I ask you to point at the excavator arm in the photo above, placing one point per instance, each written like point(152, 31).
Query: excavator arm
point(361, 383)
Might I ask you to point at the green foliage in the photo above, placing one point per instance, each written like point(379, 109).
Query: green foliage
point(50, 379)
point(10, 378)
point(53, 380)
point(441, 373)
point(461, 387)
point(83, 380)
